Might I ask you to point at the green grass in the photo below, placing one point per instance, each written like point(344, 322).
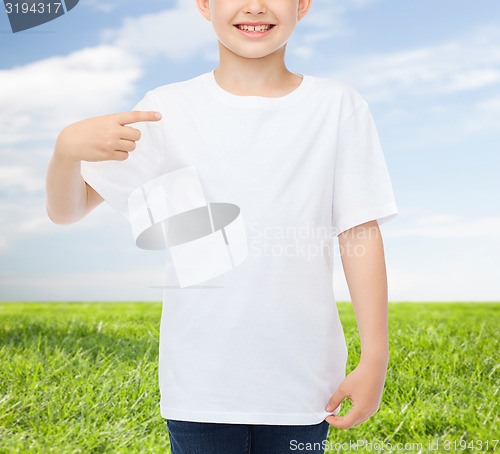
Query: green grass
point(82, 377)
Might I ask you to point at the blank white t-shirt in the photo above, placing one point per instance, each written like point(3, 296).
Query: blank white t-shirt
point(261, 343)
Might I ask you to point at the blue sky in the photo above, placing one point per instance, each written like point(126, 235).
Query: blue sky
point(430, 71)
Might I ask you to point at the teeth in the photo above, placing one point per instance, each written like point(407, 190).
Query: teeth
point(252, 28)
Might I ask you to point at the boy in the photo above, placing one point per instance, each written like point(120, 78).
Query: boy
point(254, 359)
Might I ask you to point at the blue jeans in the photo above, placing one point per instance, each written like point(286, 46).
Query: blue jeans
point(187, 437)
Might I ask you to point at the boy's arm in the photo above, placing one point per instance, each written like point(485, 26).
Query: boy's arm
point(103, 138)
point(363, 260)
point(69, 197)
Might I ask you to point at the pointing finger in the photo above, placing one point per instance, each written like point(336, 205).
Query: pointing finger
point(135, 116)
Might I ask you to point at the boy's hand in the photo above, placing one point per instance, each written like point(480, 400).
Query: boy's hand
point(364, 387)
point(101, 138)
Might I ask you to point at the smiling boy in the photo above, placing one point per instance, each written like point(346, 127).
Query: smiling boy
point(254, 359)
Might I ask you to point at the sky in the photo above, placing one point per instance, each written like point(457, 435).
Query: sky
point(429, 70)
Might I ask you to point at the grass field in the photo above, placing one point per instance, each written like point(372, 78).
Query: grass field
point(82, 378)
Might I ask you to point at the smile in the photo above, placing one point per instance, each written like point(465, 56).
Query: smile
point(254, 31)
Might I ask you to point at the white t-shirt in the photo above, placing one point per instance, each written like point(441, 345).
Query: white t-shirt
point(259, 343)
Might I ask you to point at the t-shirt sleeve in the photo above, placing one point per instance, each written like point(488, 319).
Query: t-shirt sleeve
point(113, 180)
point(362, 189)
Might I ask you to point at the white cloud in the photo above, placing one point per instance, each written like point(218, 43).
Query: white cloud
point(439, 257)
point(25, 216)
point(474, 78)
point(124, 285)
point(432, 276)
point(426, 92)
point(470, 62)
point(484, 117)
point(41, 98)
point(457, 280)
point(329, 15)
point(311, 38)
point(150, 277)
point(324, 20)
point(438, 219)
point(164, 33)
point(450, 227)
point(302, 51)
point(325, 17)
point(17, 176)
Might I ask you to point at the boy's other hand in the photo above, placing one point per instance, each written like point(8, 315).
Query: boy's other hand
point(102, 138)
point(364, 387)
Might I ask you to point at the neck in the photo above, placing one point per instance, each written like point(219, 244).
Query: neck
point(264, 76)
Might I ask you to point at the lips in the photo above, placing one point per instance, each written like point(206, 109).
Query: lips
point(254, 31)
point(255, 35)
